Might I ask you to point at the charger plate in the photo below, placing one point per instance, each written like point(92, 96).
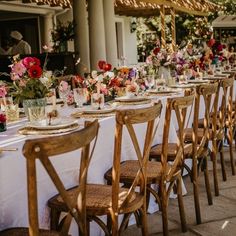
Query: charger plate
point(32, 130)
point(55, 124)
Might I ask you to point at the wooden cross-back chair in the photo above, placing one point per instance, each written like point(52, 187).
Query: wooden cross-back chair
point(43, 148)
point(162, 173)
point(113, 200)
point(174, 152)
point(128, 199)
point(220, 122)
point(199, 137)
point(227, 119)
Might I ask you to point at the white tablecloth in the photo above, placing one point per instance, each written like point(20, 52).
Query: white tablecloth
point(13, 186)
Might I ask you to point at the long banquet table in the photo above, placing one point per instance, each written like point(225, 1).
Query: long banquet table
point(13, 186)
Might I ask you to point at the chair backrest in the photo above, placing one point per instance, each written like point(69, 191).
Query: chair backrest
point(205, 93)
point(178, 107)
point(223, 105)
point(128, 118)
point(42, 149)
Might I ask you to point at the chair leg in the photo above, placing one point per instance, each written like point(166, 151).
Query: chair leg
point(196, 192)
point(207, 182)
point(143, 215)
point(164, 204)
point(214, 163)
point(181, 205)
point(54, 219)
point(222, 161)
point(230, 141)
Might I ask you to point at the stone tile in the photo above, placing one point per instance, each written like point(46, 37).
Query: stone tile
point(221, 209)
point(225, 227)
point(154, 226)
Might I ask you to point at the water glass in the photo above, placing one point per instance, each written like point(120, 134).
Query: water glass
point(97, 101)
point(4, 101)
point(63, 94)
point(12, 112)
point(37, 115)
point(80, 95)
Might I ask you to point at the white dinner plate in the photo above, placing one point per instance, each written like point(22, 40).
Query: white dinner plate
point(63, 123)
point(100, 111)
point(131, 99)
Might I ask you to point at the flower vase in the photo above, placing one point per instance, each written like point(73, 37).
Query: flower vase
point(164, 72)
point(38, 102)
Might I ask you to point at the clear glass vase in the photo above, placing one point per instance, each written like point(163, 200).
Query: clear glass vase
point(38, 102)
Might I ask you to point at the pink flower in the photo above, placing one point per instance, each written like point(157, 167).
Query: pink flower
point(22, 83)
point(63, 86)
point(104, 91)
point(30, 61)
point(18, 69)
point(14, 76)
point(3, 91)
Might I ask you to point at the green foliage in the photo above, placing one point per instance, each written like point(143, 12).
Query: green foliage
point(34, 89)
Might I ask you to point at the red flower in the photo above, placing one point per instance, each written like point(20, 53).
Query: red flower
point(156, 50)
point(30, 61)
point(35, 71)
point(107, 67)
point(3, 118)
point(211, 42)
point(101, 64)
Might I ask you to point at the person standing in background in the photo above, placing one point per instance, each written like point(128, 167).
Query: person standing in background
point(19, 45)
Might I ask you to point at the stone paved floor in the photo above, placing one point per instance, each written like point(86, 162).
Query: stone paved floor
point(218, 219)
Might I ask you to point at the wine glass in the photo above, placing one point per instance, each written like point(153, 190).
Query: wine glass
point(149, 81)
point(79, 96)
point(64, 93)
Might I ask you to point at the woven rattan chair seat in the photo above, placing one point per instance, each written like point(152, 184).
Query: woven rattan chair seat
point(101, 201)
point(25, 232)
point(128, 170)
point(156, 151)
point(189, 132)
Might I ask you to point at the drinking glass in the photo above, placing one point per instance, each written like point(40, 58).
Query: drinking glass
point(4, 101)
point(12, 112)
point(97, 101)
point(64, 93)
point(37, 115)
point(79, 96)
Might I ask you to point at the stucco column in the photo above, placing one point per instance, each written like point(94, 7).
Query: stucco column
point(81, 39)
point(96, 32)
point(110, 32)
point(48, 27)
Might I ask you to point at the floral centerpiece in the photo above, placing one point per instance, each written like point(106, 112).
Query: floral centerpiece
point(27, 77)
